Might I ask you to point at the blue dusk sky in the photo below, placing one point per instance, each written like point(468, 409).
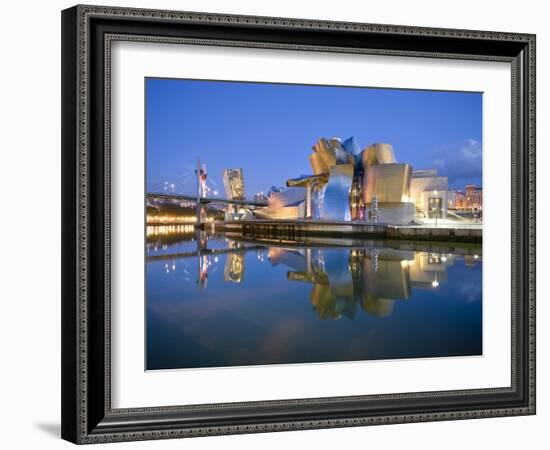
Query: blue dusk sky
point(268, 129)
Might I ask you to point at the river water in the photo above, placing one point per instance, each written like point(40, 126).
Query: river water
point(215, 301)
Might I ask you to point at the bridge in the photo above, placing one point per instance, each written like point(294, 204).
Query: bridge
point(202, 200)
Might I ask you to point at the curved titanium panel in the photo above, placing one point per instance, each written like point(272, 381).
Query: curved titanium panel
point(351, 146)
point(286, 204)
point(389, 182)
point(368, 157)
point(328, 153)
point(321, 161)
point(336, 199)
point(343, 157)
point(378, 153)
point(384, 153)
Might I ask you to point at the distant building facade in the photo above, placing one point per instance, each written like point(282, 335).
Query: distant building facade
point(455, 199)
point(233, 182)
point(470, 199)
point(474, 197)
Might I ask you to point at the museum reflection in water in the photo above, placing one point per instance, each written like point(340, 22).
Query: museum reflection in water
point(361, 281)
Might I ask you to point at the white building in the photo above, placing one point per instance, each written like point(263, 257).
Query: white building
point(430, 193)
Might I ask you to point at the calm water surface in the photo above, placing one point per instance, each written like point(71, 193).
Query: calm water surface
point(214, 301)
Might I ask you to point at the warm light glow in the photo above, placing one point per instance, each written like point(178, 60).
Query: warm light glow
point(161, 230)
point(164, 219)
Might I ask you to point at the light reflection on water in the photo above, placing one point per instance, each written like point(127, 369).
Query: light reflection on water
point(213, 301)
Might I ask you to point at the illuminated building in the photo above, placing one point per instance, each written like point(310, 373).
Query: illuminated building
point(335, 204)
point(452, 198)
point(471, 199)
point(347, 184)
point(430, 194)
point(386, 186)
point(459, 200)
point(474, 197)
point(233, 181)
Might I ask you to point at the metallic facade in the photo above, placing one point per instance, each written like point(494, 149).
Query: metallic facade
point(388, 182)
point(289, 203)
point(328, 153)
point(365, 184)
point(352, 146)
point(336, 195)
point(378, 154)
point(337, 160)
point(350, 184)
point(395, 212)
point(385, 194)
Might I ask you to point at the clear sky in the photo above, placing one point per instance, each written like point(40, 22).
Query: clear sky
point(268, 129)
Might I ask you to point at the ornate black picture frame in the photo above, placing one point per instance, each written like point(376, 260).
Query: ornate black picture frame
point(87, 34)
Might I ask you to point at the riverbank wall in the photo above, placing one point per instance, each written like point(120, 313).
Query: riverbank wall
point(294, 229)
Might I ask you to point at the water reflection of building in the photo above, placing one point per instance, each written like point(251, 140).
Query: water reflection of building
point(233, 181)
point(343, 279)
point(427, 270)
point(348, 183)
point(471, 260)
point(370, 279)
point(234, 267)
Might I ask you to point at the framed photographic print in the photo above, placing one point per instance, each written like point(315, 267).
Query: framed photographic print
point(280, 224)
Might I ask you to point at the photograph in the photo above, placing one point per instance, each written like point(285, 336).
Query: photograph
point(300, 223)
point(276, 220)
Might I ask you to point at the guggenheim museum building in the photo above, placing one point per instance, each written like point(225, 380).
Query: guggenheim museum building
point(350, 183)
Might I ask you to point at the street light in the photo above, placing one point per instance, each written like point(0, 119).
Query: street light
point(436, 207)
